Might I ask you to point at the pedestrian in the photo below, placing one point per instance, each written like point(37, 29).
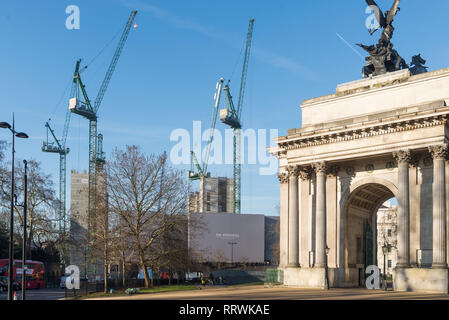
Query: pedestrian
point(211, 279)
point(203, 282)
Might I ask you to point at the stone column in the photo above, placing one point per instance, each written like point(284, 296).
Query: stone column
point(320, 245)
point(403, 158)
point(439, 154)
point(305, 216)
point(293, 217)
point(332, 205)
point(283, 223)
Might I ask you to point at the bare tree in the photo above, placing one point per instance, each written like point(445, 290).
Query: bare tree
point(120, 250)
point(4, 179)
point(197, 227)
point(272, 229)
point(173, 249)
point(150, 197)
point(220, 258)
point(41, 203)
point(2, 150)
point(245, 262)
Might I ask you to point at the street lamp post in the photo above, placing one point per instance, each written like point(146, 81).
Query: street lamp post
point(384, 251)
point(6, 125)
point(326, 271)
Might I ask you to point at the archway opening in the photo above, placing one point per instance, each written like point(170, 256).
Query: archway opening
point(387, 237)
point(364, 206)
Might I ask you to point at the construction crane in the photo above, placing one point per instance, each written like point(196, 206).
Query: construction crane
point(85, 109)
point(59, 147)
point(197, 171)
point(231, 116)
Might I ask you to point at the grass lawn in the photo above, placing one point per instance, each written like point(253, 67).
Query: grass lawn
point(169, 288)
point(118, 293)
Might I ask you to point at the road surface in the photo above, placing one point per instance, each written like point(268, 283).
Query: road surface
point(42, 294)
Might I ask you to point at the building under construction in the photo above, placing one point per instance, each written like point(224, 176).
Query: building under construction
point(82, 232)
point(79, 190)
point(216, 195)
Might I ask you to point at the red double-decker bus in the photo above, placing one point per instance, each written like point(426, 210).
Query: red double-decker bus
point(34, 276)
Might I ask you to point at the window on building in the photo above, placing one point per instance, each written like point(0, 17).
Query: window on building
point(208, 196)
point(389, 263)
point(389, 232)
point(208, 207)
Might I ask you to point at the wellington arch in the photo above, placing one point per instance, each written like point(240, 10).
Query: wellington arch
point(373, 139)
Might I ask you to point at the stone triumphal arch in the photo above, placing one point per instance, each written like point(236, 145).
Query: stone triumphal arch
point(371, 140)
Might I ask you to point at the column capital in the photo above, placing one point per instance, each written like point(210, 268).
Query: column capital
point(293, 171)
point(305, 173)
point(438, 151)
point(320, 167)
point(283, 177)
point(402, 156)
point(415, 161)
point(333, 170)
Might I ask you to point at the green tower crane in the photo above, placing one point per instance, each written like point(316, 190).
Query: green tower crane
point(59, 147)
point(231, 116)
point(197, 171)
point(89, 112)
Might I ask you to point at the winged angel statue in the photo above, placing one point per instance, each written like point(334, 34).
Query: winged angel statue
point(383, 58)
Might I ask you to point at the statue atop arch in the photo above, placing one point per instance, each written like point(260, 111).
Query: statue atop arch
point(383, 58)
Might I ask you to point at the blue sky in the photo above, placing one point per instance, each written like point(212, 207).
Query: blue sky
point(166, 76)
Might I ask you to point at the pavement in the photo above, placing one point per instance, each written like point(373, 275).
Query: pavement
point(259, 292)
point(250, 292)
point(41, 294)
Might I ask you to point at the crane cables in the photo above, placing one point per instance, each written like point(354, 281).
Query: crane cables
point(102, 50)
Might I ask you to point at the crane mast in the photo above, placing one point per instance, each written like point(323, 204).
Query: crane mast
point(58, 146)
point(86, 110)
point(231, 116)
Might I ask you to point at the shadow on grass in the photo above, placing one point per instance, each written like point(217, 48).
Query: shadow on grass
point(120, 293)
